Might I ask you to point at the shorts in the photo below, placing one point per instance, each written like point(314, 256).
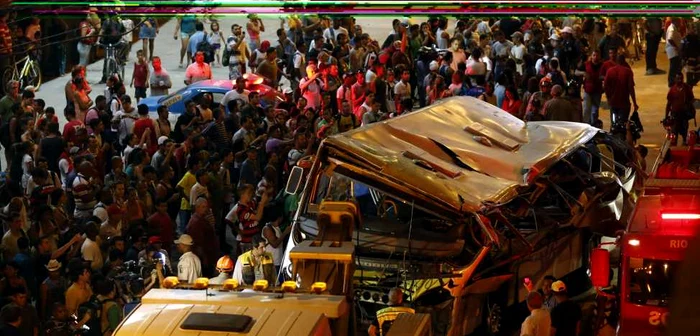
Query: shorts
point(184, 35)
point(140, 92)
point(216, 46)
point(147, 33)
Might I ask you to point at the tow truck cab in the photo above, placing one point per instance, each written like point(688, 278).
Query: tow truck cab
point(666, 217)
point(651, 252)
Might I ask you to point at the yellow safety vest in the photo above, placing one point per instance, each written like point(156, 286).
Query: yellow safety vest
point(390, 314)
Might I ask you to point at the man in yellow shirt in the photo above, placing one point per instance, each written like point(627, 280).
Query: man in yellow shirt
point(184, 187)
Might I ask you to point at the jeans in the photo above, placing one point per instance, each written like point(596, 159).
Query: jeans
point(652, 50)
point(84, 52)
point(675, 67)
point(591, 105)
point(185, 216)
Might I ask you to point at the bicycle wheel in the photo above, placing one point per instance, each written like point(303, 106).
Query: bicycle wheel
point(32, 76)
point(111, 67)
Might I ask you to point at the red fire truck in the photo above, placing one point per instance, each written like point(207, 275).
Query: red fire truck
point(665, 218)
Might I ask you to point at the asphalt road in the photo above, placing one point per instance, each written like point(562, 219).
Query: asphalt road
point(651, 90)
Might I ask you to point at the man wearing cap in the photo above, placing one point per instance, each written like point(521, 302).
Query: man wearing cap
point(518, 51)
point(566, 316)
point(113, 226)
point(268, 69)
point(189, 268)
point(538, 323)
point(555, 42)
point(570, 53)
point(51, 289)
point(164, 152)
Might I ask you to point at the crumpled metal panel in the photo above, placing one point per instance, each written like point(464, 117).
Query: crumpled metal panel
point(472, 149)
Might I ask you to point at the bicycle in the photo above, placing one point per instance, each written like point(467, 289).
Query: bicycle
point(29, 75)
point(113, 64)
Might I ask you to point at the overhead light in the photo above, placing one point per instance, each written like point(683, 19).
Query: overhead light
point(260, 285)
point(633, 242)
point(680, 216)
point(230, 284)
point(289, 286)
point(318, 287)
point(201, 283)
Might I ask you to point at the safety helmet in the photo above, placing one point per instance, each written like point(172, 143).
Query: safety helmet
point(225, 264)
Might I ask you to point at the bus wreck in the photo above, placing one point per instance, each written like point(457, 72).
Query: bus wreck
point(459, 202)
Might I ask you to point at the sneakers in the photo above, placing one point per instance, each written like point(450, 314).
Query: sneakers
point(654, 72)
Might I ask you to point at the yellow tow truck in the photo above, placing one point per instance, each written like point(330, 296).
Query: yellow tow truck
point(320, 304)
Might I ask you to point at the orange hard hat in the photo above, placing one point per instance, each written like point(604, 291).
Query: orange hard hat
point(225, 264)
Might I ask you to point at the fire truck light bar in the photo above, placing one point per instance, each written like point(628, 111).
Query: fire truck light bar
point(680, 216)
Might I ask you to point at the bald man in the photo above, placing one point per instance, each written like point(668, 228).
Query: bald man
point(559, 108)
point(538, 323)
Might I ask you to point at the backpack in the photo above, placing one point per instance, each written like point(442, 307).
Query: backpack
point(226, 57)
point(557, 78)
point(207, 49)
point(95, 307)
point(5, 140)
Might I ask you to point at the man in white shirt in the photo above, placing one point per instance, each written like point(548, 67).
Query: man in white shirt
point(90, 250)
point(331, 33)
point(673, 44)
point(189, 268)
point(238, 93)
point(311, 87)
point(402, 89)
point(539, 321)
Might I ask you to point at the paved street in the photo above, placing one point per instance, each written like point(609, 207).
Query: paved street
point(651, 90)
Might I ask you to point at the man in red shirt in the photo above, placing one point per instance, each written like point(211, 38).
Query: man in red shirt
point(71, 127)
point(680, 107)
point(610, 62)
point(143, 123)
point(592, 87)
point(161, 224)
point(206, 242)
point(619, 88)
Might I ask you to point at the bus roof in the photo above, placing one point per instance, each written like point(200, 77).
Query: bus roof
point(476, 153)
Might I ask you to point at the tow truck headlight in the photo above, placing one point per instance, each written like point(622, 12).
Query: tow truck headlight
point(633, 242)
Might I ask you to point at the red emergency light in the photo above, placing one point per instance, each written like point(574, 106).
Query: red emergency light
point(678, 215)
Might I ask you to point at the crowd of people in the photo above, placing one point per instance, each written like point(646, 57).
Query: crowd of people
point(107, 206)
